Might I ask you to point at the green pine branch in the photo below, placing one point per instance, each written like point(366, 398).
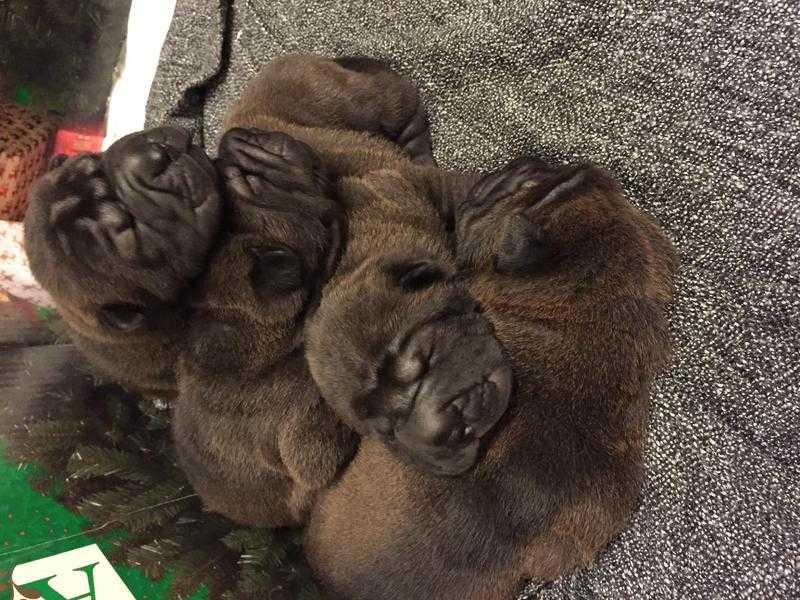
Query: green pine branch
point(118, 461)
point(153, 557)
point(200, 566)
point(40, 439)
point(103, 508)
point(94, 461)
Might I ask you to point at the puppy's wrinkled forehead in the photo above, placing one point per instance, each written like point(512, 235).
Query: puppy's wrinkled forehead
point(364, 312)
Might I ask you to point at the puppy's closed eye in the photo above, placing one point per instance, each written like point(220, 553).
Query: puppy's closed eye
point(124, 317)
point(417, 275)
point(275, 270)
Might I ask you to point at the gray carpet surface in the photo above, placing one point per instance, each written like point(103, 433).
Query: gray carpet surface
point(695, 108)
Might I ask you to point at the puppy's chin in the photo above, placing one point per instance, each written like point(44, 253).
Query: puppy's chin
point(438, 462)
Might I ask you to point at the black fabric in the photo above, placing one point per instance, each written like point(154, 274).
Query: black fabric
point(694, 107)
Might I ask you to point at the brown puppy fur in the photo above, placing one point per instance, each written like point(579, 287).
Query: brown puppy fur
point(116, 238)
point(122, 241)
point(259, 443)
point(250, 428)
point(575, 281)
point(441, 382)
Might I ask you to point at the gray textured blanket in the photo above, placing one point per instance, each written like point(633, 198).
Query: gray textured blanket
point(695, 107)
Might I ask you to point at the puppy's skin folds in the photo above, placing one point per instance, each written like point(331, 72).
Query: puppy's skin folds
point(402, 324)
point(262, 432)
point(116, 239)
point(440, 381)
point(251, 430)
point(249, 426)
point(129, 244)
point(575, 281)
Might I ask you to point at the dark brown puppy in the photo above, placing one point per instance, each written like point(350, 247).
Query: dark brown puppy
point(441, 381)
point(569, 274)
point(575, 281)
point(251, 430)
point(425, 374)
point(122, 241)
point(549, 284)
point(116, 238)
point(259, 443)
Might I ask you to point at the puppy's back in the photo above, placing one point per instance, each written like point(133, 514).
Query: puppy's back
point(563, 471)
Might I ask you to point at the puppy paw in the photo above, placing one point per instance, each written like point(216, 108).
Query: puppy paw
point(258, 165)
point(484, 212)
point(506, 182)
point(415, 138)
point(314, 445)
point(392, 104)
point(281, 193)
point(528, 217)
point(351, 92)
point(83, 212)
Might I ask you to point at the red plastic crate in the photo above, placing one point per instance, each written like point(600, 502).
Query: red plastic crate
point(74, 138)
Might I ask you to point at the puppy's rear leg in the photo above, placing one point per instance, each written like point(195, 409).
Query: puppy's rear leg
point(355, 93)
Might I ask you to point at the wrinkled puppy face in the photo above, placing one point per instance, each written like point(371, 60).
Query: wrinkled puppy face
point(116, 237)
point(282, 238)
point(401, 352)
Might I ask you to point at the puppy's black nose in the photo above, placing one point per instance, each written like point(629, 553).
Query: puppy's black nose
point(166, 144)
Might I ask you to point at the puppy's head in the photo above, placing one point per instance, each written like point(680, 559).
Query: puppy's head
point(116, 237)
point(282, 239)
point(249, 307)
point(569, 226)
point(402, 352)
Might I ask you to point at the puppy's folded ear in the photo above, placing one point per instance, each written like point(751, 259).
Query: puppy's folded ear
point(524, 247)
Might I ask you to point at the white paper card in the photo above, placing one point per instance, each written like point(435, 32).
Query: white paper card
point(81, 574)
